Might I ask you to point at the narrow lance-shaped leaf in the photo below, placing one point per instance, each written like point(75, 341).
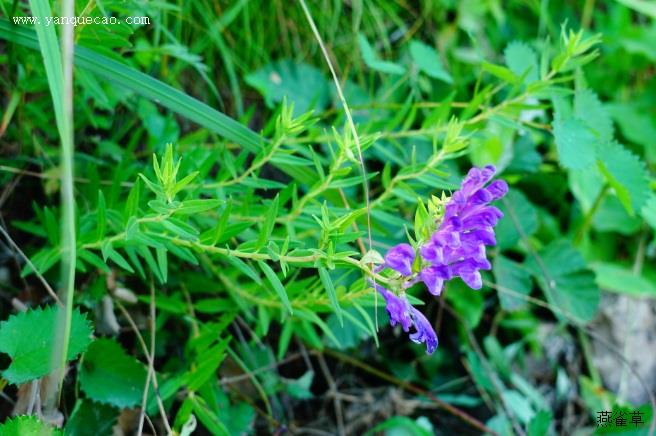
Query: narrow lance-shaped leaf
point(102, 219)
point(270, 221)
point(277, 285)
point(332, 295)
point(142, 84)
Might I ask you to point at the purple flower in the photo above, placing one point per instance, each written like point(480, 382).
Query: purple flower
point(400, 258)
point(424, 333)
point(457, 248)
point(397, 308)
point(434, 277)
point(401, 312)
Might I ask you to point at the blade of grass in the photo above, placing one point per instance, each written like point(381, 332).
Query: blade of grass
point(59, 71)
point(146, 86)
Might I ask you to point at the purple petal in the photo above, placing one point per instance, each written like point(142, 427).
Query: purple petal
point(472, 279)
point(400, 258)
point(424, 333)
point(432, 252)
point(498, 189)
point(487, 216)
point(434, 277)
point(397, 308)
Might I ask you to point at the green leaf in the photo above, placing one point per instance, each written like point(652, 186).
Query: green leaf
point(27, 426)
point(276, 284)
point(162, 263)
point(193, 207)
point(511, 276)
point(428, 61)
point(300, 388)
point(617, 278)
point(501, 72)
point(28, 339)
point(522, 60)
point(519, 405)
point(109, 375)
point(642, 6)
point(401, 425)
point(89, 418)
point(102, 217)
point(332, 295)
point(576, 143)
point(468, 303)
point(372, 61)
point(128, 78)
point(649, 211)
point(132, 204)
point(588, 108)
point(117, 258)
point(566, 282)
point(269, 223)
point(301, 84)
point(626, 174)
point(245, 268)
point(49, 47)
point(207, 363)
point(519, 218)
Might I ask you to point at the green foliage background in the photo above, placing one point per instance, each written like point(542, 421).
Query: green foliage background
point(222, 228)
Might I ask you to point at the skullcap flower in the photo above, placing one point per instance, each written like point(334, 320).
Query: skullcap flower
point(455, 249)
point(400, 258)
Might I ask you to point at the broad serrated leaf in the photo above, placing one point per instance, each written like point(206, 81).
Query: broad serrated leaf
point(588, 108)
point(566, 282)
point(512, 278)
point(428, 61)
point(27, 426)
point(89, 418)
point(276, 284)
point(520, 219)
point(29, 340)
point(522, 60)
point(620, 279)
point(109, 375)
point(626, 174)
point(301, 84)
point(649, 211)
point(576, 143)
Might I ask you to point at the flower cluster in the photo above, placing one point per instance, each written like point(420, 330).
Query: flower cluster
point(455, 249)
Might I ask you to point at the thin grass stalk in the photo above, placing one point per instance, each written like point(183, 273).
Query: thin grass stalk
point(67, 197)
point(59, 71)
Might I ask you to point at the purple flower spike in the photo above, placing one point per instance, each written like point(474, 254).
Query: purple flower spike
point(400, 258)
point(424, 333)
point(457, 248)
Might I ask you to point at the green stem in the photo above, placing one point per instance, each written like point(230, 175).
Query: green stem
point(67, 197)
point(587, 221)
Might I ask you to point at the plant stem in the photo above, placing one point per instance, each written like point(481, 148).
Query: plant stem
point(587, 221)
